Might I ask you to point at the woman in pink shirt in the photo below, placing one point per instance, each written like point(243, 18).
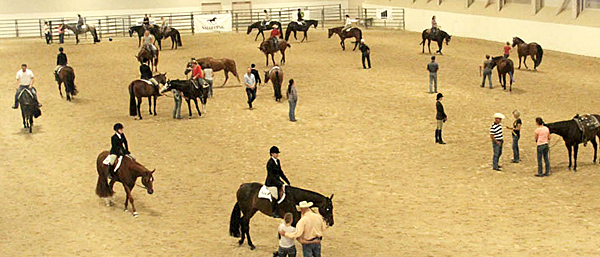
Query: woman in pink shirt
point(542, 138)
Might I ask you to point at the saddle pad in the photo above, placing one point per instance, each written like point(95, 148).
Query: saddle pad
point(59, 69)
point(23, 91)
point(147, 81)
point(118, 162)
point(264, 193)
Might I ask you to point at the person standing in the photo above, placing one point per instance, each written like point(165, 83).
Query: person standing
point(542, 138)
point(47, 33)
point(516, 135)
point(61, 61)
point(287, 248)
point(366, 53)
point(440, 117)
point(309, 230)
point(274, 177)
point(507, 50)
point(250, 82)
point(208, 77)
point(25, 81)
point(256, 74)
point(433, 68)
point(487, 71)
point(497, 137)
point(292, 96)
point(61, 34)
point(177, 108)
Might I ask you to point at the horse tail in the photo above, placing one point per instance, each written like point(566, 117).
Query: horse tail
point(288, 31)
point(102, 188)
point(70, 83)
point(540, 54)
point(235, 221)
point(178, 38)
point(132, 103)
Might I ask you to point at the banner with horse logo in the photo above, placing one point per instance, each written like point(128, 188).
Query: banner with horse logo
point(212, 23)
point(384, 14)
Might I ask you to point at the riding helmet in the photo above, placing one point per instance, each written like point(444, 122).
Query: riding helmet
point(274, 149)
point(117, 126)
point(439, 95)
point(61, 49)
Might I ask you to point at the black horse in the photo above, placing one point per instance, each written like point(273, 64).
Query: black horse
point(248, 204)
point(154, 30)
point(294, 26)
point(29, 109)
point(268, 26)
point(439, 37)
point(190, 92)
point(573, 136)
point(175, 37)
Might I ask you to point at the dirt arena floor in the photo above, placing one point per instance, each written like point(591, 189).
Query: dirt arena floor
point(366, 136)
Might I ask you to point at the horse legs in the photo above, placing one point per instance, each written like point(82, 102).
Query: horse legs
point(139, 40)
point(575, 150)
point(525, 61)
point(429, 45)
point(252, 247)
point(60, 90)
point(76, 39)
point(189, 107)
point(197, 109)
point(259, 31)
point(569, 151)
point(155, 97)
point(267, 56)
point(519, 62)
point(343, 45)
point(355, 44)
point(305, 37)
point(272, 58)
point(595, 148)
point(30, 123)
point(440, 46)
point(130, 198)
point(227, 76)
point(138, 107)
point(282, 57)
point(150, 105)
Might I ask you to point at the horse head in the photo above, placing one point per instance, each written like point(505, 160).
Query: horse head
point(147, 180)
point(330, 33)
point(517, 41)
point(326, 210)
point(161, 78)
point(448, 38)
point(249, 29)
point(166, 87)
point(130, 31)
point(315, 23)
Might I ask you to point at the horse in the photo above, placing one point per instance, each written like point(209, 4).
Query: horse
point(146, 53)
point(128, 173)
point(248, 203)
point(268, 26)
point(356, 33)
point(66, 75)
point(267, 48)
point(276, 78)
point(154, 30)
point(85, 28)
point(503, 66)
point(175, 38)
point(525, 49)
point(228, 65)
point(29, 108)
point(573, 136)
point(439, 38)
point(190, 92)
point(140, 88)
point(294, 26)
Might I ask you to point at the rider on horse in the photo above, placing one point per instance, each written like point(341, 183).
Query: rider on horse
point(118, 148)
point(300, 17)
point(80, 22)
point(25, 80)
point(265, 20)
point(434, 27)
point(274, 177)
point(348, 24)
point(165, 27)
point(146, 22)
point(197, 74)
point(146, 73)
point(61, 61)
point(149, 42)
point(275, 36)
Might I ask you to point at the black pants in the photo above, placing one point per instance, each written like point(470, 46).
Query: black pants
point(251, 95)
point(48, 38)
point(368, 58)
point(61, 38)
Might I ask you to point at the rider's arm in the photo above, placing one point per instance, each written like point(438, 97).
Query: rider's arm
point(31, 83)
point(125, 143)
point(284, 177)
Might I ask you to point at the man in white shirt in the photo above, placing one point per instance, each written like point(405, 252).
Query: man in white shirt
point(24, 81)
point(250, 82)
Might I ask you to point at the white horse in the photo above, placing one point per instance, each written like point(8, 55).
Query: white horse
point(84, 28)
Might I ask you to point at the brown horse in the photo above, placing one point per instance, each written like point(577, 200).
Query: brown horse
point(140, 88)
point(248, 203)
point(127, 174)
point(356, 33)
point(504, 65)
point(228, 65)
point(66, 75)
point(268, 48)
point(525, 49)
point(276, 77)
point(146, 53)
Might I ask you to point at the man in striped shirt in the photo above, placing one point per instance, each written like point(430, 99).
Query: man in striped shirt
point(497, 139)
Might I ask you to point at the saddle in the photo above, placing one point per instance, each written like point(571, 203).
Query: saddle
point(272, 193)
point(587, 124)
point(117, 162)
point(147, 81)
point(25, 90)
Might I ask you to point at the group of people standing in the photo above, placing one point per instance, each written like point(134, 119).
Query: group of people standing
point(252, 81)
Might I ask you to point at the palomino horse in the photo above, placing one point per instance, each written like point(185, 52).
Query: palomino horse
point(146, 53)
point(228, 65)
point(66, 75)
point(276, 77)
point(573, 136)
point(268, 48)
point(524, 49)
point(248, 203)
point(29, 108)
point(154, 30)
point(190, 92)
point(356, 33)
point(439, 38)
point(269, 26)
point(294, 26)
point(504, 65)
point(139, 89)
point(85, 28)
point(175, 38)
point(129, 171)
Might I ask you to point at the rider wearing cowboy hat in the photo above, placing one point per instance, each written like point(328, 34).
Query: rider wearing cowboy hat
point(274, 177)
point(275, 36)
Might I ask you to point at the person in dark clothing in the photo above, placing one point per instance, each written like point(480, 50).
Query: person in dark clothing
point(61, 61)
point(146, 22)
point(146, 73)
point(119, 147)
point(274, 176)
point(300, 16)
point(366, 53)
point(256, 74)
point(441, 117)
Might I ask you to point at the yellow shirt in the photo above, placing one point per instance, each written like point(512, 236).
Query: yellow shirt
point(311, 225)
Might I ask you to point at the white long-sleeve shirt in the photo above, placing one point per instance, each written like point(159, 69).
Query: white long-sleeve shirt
point(349, 21)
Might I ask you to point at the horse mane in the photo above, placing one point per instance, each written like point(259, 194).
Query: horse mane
point(306, 191)
point(561, 128)
point(519, 40)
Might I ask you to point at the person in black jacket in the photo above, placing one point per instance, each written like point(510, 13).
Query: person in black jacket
point(366, 53)
point(274, 177)
point(61, 61)
point(255, 73)
point(441, 117)
point(118, 148)
point(146, 73)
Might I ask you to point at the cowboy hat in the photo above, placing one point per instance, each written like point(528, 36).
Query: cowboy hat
point(499, 115)
point(304, 204)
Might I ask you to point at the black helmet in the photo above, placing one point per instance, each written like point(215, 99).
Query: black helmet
point(439, 95)
point(274, 149)
point(61, 49)
point(117, 126)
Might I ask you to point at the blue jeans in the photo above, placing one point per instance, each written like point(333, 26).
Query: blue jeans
point(497, 153)
point(311, 250)
point(210, 87)
point(515, 147)
point(489, 76)
point(543, 151)
point(292, 110)
point(432, 81)
point(287, 252)
point(251, 95)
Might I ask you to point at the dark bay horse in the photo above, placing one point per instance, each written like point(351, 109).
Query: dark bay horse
point(190, 92)
point(524, 49)
point(85, 28)
point(248, 204)
point(66, 75)
point(175, 38)
point(29, 109)
point(356, 33)
point(276, 77)
point(268, 48)
point(129, 171)
point(573, 136)
point(146, 53)
point(139, 89)
point(225, 64)
point(294, 26)
point(154, 30)
point(269, 26)
point(439, 38)
point(504, 65)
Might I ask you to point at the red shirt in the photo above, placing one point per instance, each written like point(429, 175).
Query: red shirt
point(275, 33)
point(506, 49)
point(197, 72)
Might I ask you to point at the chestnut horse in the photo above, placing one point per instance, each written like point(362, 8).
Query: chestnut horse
point(66, 75)
point(228, 65)
point(353, 32)
point(268, 48)
point(139, 88)
point(525, 49)
point(276, 77)
point(503, 66)
point(146, 53)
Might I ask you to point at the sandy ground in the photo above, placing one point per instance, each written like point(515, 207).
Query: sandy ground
point(365, 135)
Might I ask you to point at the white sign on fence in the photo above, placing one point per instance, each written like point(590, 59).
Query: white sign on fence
point(212, 23)
point(384, 14)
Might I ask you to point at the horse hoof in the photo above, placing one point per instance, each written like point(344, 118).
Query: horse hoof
point(252, 247)
point(135, 214)
point(240, 243)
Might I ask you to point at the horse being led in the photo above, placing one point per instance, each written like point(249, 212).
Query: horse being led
point(276, 77)
point(249, 202)
point(439, 37)
point(504, 65)
point(190, 91)
point(85, 28)
point(141, 88)
point(154, 30)
point(128, 173)
point(228, 65)
point(268, 48)
point(268, 26)
point(295, 26)
point(524, 49)
point(66, 75)
point(356, 33)
point(573, 135)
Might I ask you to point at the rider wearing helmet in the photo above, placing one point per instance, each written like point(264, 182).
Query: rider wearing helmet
point(118, 148)
point(266, 20)
point(274, 177)
point(61, 61)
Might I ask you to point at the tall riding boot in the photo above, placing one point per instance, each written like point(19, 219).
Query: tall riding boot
point(274, 210)
point(437, 136)
point(440, 138)
point(111, 172)
point(56, 76)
